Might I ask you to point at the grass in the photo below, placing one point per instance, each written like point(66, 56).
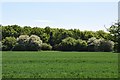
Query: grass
point(54, 64)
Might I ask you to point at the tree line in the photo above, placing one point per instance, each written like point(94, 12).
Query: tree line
point(15, 37)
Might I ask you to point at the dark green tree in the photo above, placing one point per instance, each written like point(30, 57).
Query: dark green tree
point(115, 32)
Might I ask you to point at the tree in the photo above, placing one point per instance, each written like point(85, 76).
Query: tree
point(87, 34)
point(26, 30)
point(76, 33)
point(45, 37)
point(115, 32)
point(0, 37)
point(17, 29)
point(8, 31)
point(53, 36)
point(47, 30)
point(8, 43)
point(100, 34)
point(51, 39)
point(37, 31)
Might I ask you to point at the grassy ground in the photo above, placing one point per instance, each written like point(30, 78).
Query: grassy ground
point(53, 64)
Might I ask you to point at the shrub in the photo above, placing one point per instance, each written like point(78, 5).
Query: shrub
point(19, 47)
point(100, 45)
point(116, 47)
point(0, 46)
point(22, 43)
point(26, 43)
point(106, 46)
point(92, 44)
point(8, 43)
point(71, 44)
point(34, 43)
point(23, 39)
point(46, 46)
point(81, 45)
point(67, 44)
point(56, 47)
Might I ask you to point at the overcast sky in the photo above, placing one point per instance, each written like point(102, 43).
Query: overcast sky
point(80, 15)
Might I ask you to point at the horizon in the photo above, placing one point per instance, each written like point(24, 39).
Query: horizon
point(92, 16)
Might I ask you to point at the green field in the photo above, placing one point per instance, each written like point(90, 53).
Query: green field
point(54, 64)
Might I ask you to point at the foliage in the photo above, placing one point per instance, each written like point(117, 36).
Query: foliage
point(0, 33)
point(22, 43)
point(92, 44)
point(19, 47)
point(35, 43)
point(67, 44)
point(46, 46)
point(32, 43)
point(115, 32)
point(100, 45)
point(81, 45)
point(26, 30)
point(11, 31)
point(71, 44)
point(8, 43)
point(56, 37)
point(106, 46)
point(23, 39)
point(0, 46)
point(49, 35)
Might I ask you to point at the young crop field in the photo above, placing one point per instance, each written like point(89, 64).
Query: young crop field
point(55, 64)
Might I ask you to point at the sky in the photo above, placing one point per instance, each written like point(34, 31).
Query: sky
point(69, 15)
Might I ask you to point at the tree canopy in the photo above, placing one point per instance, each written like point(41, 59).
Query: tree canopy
point(115, 31)
point(55, 38)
